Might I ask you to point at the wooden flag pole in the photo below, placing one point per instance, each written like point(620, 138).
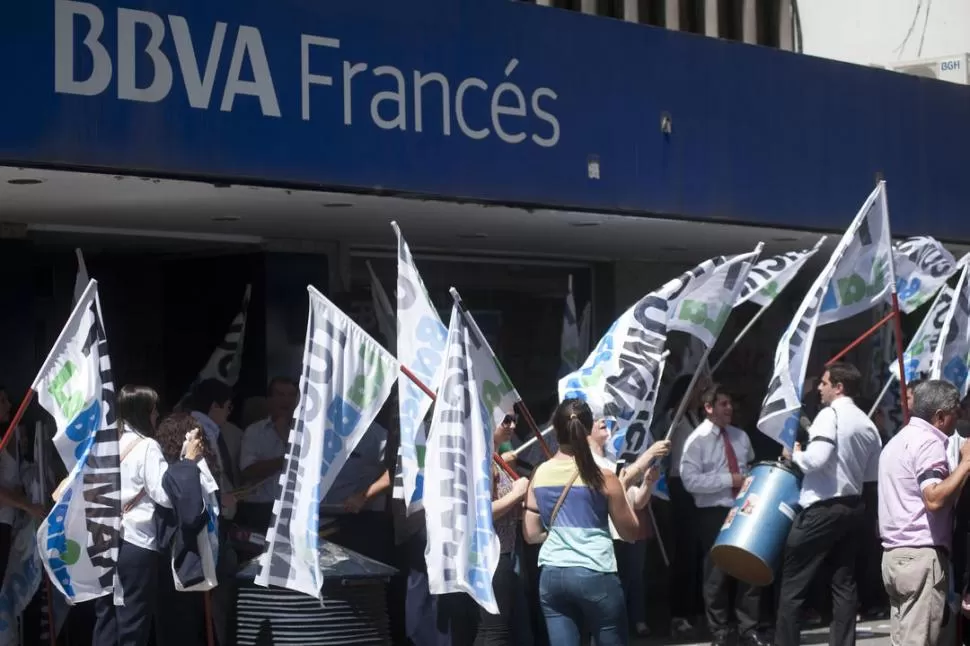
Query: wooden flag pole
point(28, 397)
point(210, 637)
point(430, 393)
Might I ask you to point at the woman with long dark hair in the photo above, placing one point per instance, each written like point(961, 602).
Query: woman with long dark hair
point(142, 467)
point(569, 507)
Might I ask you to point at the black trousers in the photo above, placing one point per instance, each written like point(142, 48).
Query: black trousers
point(511, 625)
point(685, 571)
point(872, 592)
point(718, 585)
point(828, 533)
point(130, 624)
point(180, 616)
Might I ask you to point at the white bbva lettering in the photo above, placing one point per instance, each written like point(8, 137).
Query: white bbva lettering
point(248, 46)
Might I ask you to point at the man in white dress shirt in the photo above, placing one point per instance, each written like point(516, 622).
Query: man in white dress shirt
point(713, 468)
point(843, 444)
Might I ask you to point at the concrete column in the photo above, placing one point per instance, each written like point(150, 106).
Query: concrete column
point(544, 3)
point(631, 10)
point(786, 39)
point(672, 14)
point(749, 22)
point(588, 6)
point(710, 19)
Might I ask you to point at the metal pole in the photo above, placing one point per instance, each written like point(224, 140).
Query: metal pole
point(898, 328)
point(682, 407)
point(882, 393)
point(737, 339)
point(865, 335)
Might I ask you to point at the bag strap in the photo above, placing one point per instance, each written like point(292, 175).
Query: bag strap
point(562, 499)
point(137, 498)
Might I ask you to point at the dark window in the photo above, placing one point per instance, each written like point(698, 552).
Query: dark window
point(652, 12)
point(572, 5)
point(730, 19)
point(610, 8)
point(692, 16)
point(769, 23)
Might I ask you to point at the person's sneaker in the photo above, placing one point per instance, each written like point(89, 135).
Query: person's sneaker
point(681, 628)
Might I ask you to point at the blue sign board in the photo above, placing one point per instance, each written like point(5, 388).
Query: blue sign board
point(494, 101)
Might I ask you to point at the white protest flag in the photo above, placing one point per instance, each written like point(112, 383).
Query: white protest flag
point(382, 308)
point(619, 375)
point(864, 276)
point(918, 356)
point(421, 338)
point(952, 352)
point(569, 340)
point(923, 265)
point(770, 276)
point(81, 282)
point(462, 551)
point(347, 376)
point(79, 539)
point(854, 279)
point(20, 580)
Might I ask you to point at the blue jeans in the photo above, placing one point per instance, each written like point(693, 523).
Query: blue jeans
point(575, 599)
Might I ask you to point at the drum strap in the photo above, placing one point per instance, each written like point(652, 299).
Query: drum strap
point(562, 499)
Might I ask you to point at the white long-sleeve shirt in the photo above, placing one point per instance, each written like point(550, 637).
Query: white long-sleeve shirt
point(143, 468)
point(704, 467)
point(843, 445)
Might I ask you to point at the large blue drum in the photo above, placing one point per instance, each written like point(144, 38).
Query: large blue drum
point(753, 536)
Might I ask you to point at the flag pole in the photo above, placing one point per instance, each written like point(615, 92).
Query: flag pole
point(882, 393)
point(529, 420)
point(19, 415)
point(210, 637)
point(898, 329)
point(868, 333)
point(430, 393)
point(737, 339)
point(656, 532)
point(682, 406)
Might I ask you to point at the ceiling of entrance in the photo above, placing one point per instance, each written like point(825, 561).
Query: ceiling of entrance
point(137, 209)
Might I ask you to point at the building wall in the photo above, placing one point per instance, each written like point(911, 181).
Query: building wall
point(884, 31)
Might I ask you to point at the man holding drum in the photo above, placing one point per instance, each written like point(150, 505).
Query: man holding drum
point(843, 444)
point(713, 468)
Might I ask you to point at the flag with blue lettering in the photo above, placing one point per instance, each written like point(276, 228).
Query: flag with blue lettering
point(923, 266)
point(619, 376)
point(347, 376)
point(854, 280)
point(462, 551)
point(79, 539)
point(421, 338)
point(21, 578)
point(770, 276)
point(918, 356)
point(950, 358)
point(569, 341)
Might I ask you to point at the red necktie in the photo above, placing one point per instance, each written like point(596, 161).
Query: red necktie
point(732, 458)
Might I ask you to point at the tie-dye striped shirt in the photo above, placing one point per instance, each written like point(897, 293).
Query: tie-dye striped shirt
point(580, 537)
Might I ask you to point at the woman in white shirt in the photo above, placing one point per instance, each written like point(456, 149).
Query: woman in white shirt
point(142, 468)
